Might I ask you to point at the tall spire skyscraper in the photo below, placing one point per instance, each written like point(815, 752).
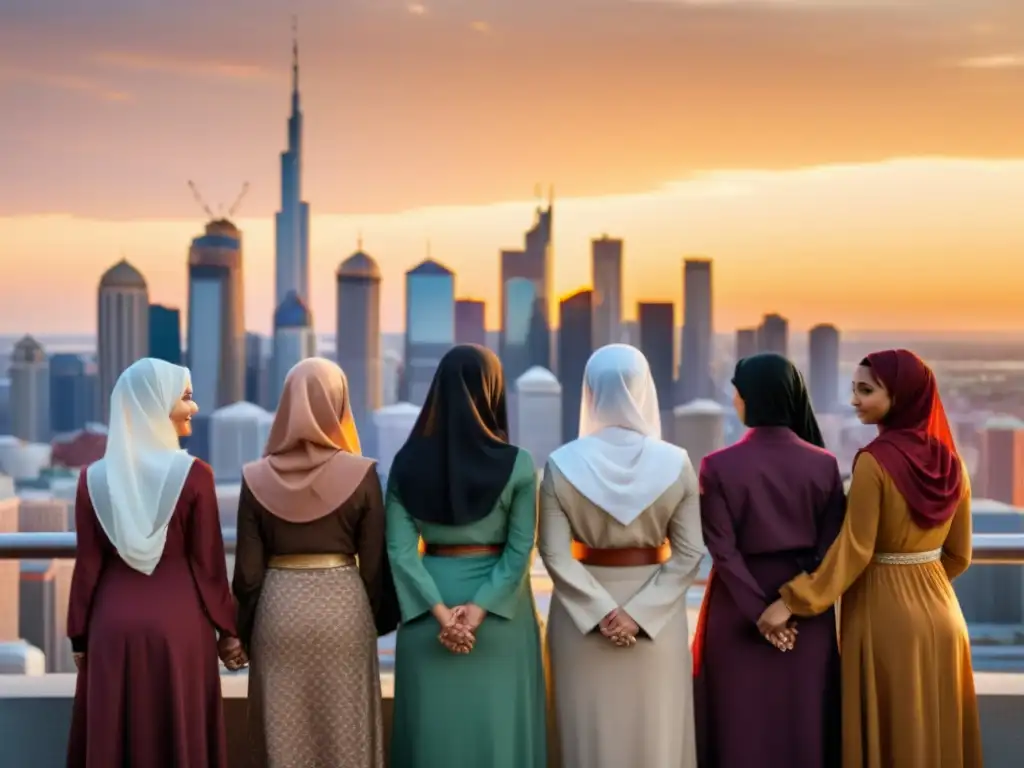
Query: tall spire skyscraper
point(292, 255)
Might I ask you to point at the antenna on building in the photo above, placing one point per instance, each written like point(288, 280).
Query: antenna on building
point(199, 199)
point(551, 196)
point(359, 241)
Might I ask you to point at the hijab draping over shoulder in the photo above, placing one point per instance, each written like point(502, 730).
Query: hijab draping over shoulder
point(775, 395)
point(619, 462)
point(457, 460)
point(135, 487)
point(312, 462)
point(915, 444)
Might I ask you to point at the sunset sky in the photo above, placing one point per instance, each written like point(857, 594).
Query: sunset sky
point(853, 161)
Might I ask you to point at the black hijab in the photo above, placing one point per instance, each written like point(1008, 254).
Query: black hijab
point(457, 460)
point(775, 395)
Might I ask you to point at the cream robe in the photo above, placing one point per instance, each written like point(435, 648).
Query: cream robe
point(617, 707)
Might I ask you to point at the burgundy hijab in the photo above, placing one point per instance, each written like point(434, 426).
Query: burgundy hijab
point(915, 445)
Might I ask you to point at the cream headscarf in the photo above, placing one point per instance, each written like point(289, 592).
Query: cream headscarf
point(619, 462)
point(135, 487)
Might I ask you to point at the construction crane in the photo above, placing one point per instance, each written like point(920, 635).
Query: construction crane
point(199, 199)
point(238, 200)
point(209, 211)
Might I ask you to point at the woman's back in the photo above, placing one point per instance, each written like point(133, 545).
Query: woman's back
point(595, 527)
point(780, 494)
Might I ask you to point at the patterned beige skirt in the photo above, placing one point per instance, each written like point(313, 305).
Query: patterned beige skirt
point(314, 681)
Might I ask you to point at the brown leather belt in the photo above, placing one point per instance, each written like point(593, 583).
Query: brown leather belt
point(461, 550)
point(626, 557)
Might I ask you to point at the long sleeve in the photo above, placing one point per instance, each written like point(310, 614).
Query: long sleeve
point(89, 562)
point(206, 551)
point(720, 537)
point(656, 602)
point(810, 594)
point(250, 565)
point(957, 549)
point(832, 517)
point(417, 592)
point(373, 557)
point(499, 594)
point(584, 598)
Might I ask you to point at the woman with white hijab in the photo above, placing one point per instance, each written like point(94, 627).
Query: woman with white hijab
point(150, 588)
point(620, 535)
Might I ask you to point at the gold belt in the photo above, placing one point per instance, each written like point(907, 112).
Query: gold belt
point(310, 562)
point(908, 558)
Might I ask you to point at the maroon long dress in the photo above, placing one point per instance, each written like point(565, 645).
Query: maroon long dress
point(148, 693)
point(770, 507)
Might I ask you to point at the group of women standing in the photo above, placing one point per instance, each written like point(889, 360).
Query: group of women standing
point(326, 563)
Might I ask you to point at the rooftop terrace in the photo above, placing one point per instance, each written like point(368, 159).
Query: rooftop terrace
point(35, 710)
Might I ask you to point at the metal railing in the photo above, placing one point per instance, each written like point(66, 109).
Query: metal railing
point(989, 548)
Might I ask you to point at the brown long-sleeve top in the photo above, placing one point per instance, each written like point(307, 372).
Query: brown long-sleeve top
point(356, 528)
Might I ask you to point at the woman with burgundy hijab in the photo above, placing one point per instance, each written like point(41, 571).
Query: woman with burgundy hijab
point(908, 686)
point(312, 582)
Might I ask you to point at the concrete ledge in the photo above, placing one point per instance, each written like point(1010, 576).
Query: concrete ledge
point(35, 713)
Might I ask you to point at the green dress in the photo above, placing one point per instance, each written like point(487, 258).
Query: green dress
point(485, 709)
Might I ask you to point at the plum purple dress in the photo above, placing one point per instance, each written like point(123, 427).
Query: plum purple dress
point(770, 507)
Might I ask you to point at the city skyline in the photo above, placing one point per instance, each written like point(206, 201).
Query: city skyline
point(827, 224)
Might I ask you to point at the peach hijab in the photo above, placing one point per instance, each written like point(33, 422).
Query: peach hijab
point(313, 461)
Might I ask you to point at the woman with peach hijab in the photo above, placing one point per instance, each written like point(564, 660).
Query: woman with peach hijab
point(312, 581)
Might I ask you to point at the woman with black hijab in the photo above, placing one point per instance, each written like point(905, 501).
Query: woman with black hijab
point(469, 676)
point(770, 507)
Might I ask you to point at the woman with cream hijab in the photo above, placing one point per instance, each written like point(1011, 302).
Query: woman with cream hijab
point(149, 588)
point(621, 538)
point(312, 581)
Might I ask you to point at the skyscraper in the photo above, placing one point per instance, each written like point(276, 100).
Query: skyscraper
point(575, 345)
point(294, 340)
point(606, 271)
point(123, 327)
point(519, 324)
point(165, 333)
point(358, 340)
point(257, 370)
point(30, 392)
point(292, 221)
point(216, 316)
point(657, 320)
point(72, 392)
point(695, 368)
point(429, 325)
point(469, 322)
point(746, 343)
point(533, 262)
point(773, 335)
point(824, 365)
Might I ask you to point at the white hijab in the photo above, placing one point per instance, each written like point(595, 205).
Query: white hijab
point(135, 486)
point(619, 462)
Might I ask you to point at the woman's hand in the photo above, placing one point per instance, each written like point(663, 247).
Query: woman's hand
point(470, 615)
point(454, 636)
point(620, 628)
point(232, 653)
point(774, 619)
point(79, 659)
point(784, 639)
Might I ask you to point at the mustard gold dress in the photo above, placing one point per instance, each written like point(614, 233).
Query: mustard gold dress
point(908, 687)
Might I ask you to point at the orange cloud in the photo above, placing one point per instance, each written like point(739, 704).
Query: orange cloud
point(64, 82)
point(996, 61)
point(141, 62)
